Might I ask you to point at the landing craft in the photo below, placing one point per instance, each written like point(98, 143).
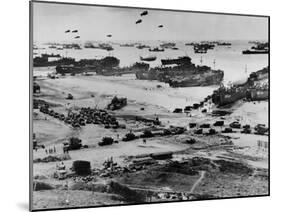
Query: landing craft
point(77, 37)
point(138, 21)
point(74, 31)
point(67, 31)
point(144, 13)
point(160, 26)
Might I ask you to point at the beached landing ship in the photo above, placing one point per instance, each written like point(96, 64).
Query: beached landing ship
point(88, 65)
point(182, 73)
point(255, 89)
point(108, 66)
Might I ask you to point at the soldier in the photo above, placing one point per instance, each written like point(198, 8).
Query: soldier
point(64, 149)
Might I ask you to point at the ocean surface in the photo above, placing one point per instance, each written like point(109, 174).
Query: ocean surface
point(230, 59)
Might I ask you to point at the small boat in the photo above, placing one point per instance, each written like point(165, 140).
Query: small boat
point(149, 58)
point(127, 45)
point(224, 44)
point(255, 51)
point(140, 46)
point(156, 50)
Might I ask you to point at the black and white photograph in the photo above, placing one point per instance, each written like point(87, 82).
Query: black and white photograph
point(139, 105)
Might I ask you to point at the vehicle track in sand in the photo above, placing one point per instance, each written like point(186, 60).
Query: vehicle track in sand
point(198, 181)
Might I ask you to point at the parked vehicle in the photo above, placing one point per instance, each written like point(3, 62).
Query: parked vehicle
point(218, 123)
point(235, 125)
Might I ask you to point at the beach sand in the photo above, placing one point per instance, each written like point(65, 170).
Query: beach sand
point(97, 91)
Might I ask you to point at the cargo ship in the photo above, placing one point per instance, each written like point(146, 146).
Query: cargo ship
point(202, 48)
point(167, 45)
point(181, 72)
point(51, 60)
point(140, 46)
point(103, 46)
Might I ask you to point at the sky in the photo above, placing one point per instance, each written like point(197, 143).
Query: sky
point(50, 21)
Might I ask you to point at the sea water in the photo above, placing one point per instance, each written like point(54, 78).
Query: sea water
point(230, 59)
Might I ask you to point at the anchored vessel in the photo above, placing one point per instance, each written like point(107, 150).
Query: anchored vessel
point(167, 45)
point(259, 48)
point(255, 52)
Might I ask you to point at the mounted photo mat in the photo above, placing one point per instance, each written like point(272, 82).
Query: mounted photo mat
point(144, 105)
